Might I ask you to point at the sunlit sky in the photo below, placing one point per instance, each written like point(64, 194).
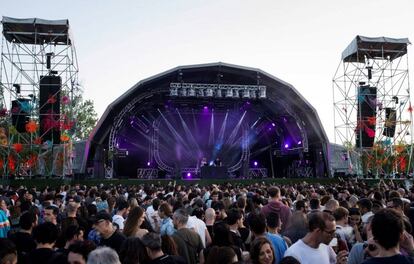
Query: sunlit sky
point(119, 43)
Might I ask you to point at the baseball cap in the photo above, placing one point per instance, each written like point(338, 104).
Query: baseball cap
point(102, 216)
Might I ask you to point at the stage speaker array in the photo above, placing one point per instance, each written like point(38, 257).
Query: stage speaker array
point(390, 122)
point(20, 116)
point(366, 116)
point(49, 108)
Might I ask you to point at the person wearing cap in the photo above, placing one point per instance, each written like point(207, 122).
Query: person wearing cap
point(110, 237)
point(152, 243)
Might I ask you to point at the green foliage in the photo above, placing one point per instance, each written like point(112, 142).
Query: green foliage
point(86, 118)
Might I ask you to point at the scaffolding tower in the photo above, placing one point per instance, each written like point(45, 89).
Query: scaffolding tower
point(36, 52)
point(372, 106)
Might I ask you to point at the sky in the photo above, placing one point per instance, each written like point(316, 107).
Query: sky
point(119, 43)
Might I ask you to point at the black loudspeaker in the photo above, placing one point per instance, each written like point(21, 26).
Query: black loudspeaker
point(49, 108)
point(20, 115)
point(390, 122)
point(366, 116)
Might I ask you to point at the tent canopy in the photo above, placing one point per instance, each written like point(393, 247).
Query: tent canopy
point(380, 47)
point(36, 30)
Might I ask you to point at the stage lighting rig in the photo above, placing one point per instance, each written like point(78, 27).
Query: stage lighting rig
point(217, 90)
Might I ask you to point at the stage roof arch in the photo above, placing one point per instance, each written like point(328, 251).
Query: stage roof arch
point(282, 99)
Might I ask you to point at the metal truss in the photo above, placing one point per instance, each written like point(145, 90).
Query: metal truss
point(390, 76)
point(22, 65)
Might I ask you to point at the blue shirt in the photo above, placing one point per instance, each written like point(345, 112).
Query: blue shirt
point(167, 227)
point(4, 224)
point(279, 245)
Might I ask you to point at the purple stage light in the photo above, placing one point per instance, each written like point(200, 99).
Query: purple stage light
point(255, 163)
point(273, 124)
point(299, 142)
point(148, 163)
point(205, 107)
point(286, 145)
point(188, 175)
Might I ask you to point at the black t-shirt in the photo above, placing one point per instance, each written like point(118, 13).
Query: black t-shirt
point(115, 241)
point(168, 259)
point(396, 259)
point(24, 242)
point(40, 256)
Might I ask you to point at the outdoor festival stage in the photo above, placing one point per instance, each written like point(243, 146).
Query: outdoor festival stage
point(209, 121)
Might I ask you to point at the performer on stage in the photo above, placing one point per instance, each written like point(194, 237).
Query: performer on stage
point(217, 162)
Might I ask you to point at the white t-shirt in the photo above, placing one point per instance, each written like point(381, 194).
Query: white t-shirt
point(119, 220)
point(308, 255)
point(199, 226)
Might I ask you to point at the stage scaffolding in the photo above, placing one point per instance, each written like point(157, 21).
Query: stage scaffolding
point(373, 77)
point(32, 49)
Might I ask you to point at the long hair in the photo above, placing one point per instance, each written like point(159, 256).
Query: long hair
point(256, 246)
point(220, 255)
point(131, 224)
point(133, 251)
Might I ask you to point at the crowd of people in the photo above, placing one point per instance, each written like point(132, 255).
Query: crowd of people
point(345, 222)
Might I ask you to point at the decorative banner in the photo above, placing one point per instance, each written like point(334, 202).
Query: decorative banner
point(64, 138)
point(3, 112)
point(18, 147)
point(3, 137)
point(370, 132)
point(48, 144)
point(38, 141)
point(12, 130)
point(25, 106)
point(372, 120)
point(51, 100)
point(11, 163)
point(399, 148)
point(65, 100)
point(31, 127)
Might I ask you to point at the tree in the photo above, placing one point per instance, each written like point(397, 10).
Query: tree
point(86, 118)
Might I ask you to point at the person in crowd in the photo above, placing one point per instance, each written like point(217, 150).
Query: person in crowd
point(78, 252)
point(188, 242)
point(298, 227)
point(134, 222)
point(23, 238)
point(103, 255)
point(222, 255)
point(8, 251)
point(121, 212)
point(356, 223)
point(389, 237)
point(344, 231)
point(331, 205)
point(133, 251)
point(152, 214)
point(365, 207)
point(200, 228)
point(110, 237)
point(301, 206)
point(210, 217)
point(262, 252)
point(274, 225)
point(51, 214)
point(166, 226)
point(275, 205)
point(313, 248)
point(257, 224)
point(315, 205)
point(45, 236)
point(289, 260)
point(4, 220)
point(153, 245)
point(235, 220)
